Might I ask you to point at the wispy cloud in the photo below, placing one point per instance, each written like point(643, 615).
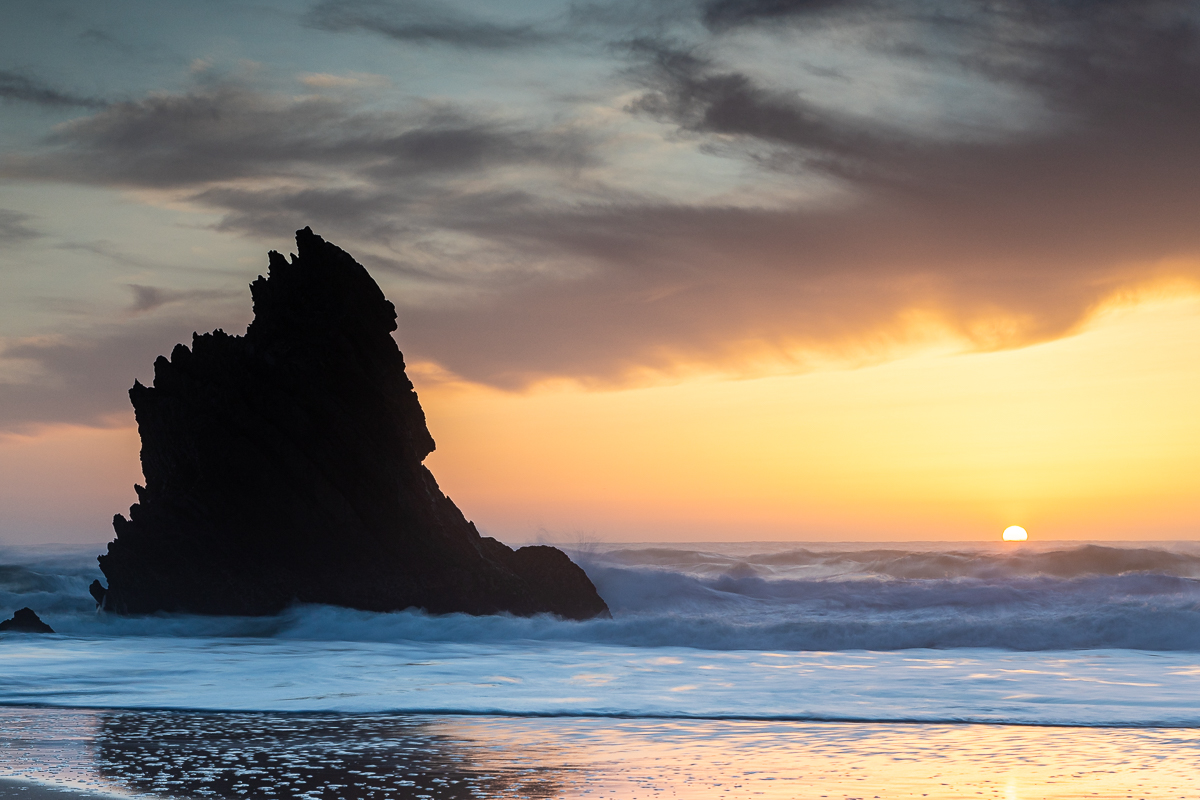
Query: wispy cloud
point(694, 93)
point(16, 87)
point(354, 80)
point(150, 298)
point(14, 227)
point(84, 377)
point(429, 23)
point(229, 131)
point(721, 14)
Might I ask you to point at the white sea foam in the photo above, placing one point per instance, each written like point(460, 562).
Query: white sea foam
point(1065, 634)
point(529, 678)
point(747, 597)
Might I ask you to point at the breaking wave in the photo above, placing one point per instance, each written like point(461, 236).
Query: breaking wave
point(745, 597)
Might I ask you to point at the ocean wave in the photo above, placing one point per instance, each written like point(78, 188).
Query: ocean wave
point(1128, 627)
point(1108, 687)
point(980, 562)
point(738, 598)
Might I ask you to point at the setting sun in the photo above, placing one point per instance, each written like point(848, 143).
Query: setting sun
point(1015, 533)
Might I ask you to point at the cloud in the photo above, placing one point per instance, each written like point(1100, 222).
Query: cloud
point(513, 260)
point(14, 227)
point(426, 23)
point(721, 14)
point(149, 298)
point(354, 80)
point(84, 376)
point(227, 131)
point(1003, 240)
point(111, 252)
point(16, 87)
point(739, 291)
point(97, 36)
point(689, 91)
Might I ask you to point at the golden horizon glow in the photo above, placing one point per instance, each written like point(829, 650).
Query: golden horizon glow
point(1015, 533)
point(1088, 437)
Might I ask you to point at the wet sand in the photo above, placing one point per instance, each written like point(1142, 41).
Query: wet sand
point(364, 757)
point(25, 790)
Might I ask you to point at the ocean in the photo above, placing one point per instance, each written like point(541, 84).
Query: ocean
point(1057, 669)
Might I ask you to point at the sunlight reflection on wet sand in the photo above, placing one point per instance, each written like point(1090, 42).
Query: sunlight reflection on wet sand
point(192, 754)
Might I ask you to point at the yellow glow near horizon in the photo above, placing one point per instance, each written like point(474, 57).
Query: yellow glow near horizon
point(1092, 436)
point(1015, 533)
point(65, 482)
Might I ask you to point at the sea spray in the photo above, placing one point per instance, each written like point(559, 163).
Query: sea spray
point(1057, 634)
point(745, 597)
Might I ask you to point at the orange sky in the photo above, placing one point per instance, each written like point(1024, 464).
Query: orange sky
point(1090, 436)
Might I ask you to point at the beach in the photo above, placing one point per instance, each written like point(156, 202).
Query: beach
point(774, 670)
point(192, 754)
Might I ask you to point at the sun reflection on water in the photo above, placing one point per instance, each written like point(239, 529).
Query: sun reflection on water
point(345, 757)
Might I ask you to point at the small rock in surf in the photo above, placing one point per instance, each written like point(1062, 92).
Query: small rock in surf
point(25, 621)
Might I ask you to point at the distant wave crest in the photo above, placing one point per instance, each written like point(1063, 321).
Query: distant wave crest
point(739, 598)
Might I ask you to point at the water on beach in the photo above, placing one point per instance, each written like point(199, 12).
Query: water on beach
point(356, 757)
point(750, 669)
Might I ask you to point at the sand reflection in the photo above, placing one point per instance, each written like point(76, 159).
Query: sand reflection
point(356, 757)
point(326, 757)
point(729, 759)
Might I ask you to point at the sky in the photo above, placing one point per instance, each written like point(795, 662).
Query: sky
point(682, 270)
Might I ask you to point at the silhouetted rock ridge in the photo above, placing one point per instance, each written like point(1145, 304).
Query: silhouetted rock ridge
point(285, 466)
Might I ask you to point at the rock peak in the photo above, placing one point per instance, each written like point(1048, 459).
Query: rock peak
point(321, 292)
point(285, 466)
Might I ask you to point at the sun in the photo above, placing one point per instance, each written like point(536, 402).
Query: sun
point(1015, 533)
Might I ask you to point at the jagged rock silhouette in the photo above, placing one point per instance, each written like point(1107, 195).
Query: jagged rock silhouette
point(285, 466)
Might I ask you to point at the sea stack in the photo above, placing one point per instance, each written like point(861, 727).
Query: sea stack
point(285, 466)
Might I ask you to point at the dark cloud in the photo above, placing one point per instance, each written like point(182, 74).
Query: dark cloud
point(1005, 236)
point(367, 213)
point(690, 91)
point(720, 14)
point(1006, 239)
point(14, 227)
point(83, 377)
point(97, 36)
point(227, 131)
point(427, 23)
point(16, 87)
point(685, 287)
point(1126, 73)
point(149, 298)
point(146, 298)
